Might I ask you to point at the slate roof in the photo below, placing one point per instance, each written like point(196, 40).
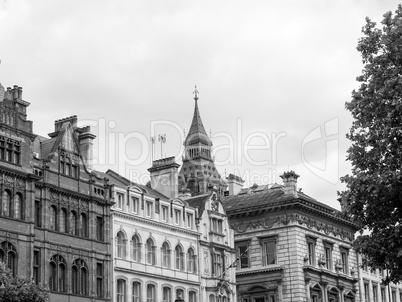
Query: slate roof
point(197, 131)
point(198, 202)
point(258, 198)
point(117, 179)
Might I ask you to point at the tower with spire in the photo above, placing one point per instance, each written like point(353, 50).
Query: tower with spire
point(198, 173)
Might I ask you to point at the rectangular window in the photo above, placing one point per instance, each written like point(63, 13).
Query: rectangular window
point(135, 203)
point(243, 256)
point(120, 201)
point(269, 251)
point(177, 217)
point(164, 214)
point(190, 220)
point(328, 255)
point(217, 264)
point(99, 279)
point(382, 294)
point(214, 225)
point(99, 228)
point(393, 296)
point(345, 262)
point(38, 215)
point(36, 266)
point(220, 228)
point(149, 209)
point(311, 242)
point(366, 292)
point(10, 150)
point(375, 295)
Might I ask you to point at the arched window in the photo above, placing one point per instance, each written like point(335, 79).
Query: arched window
point(167, 294)
point(191, 263)
point(79, 277)
point(121, 245)
point(136, 292)
point(136, 245)
point(57, 273)
point(121, 290)
point(179, 258)
point(63, 220)
point(18, 206)
point(192, 296)
point(5, 201)
point(150, 251)
point(179, 294)
point(211, 298)
point(52, 218)
point(165, 255)
point(84, 225)
point(8, 254)
point(151, 293)
point(73, 223)
point(52, 276)
point(74, 279)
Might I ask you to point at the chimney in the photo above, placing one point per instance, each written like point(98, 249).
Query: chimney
point(290, 182)
point(58, 124)
point(165, 176)
point(235, 184)
point(15, 92)
point(86, 146)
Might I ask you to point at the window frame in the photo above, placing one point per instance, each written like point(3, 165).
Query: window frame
point(263, 243)
point(242, 254)
point(311, 250)
point(120, 290)
point(344, 259)
point(328, 249)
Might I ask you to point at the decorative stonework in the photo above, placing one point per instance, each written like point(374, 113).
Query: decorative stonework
point(267, 223)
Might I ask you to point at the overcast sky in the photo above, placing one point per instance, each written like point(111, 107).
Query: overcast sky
point(273, 78)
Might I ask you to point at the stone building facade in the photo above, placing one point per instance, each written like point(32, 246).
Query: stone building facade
point(290, 246)
point(372, 289)
point(54, 211)
point(167, 247)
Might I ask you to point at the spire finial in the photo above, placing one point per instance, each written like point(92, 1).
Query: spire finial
point(195, 93)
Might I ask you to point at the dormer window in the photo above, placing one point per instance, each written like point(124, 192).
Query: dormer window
point(120, 201)
point(149, 209)
point(177, 216)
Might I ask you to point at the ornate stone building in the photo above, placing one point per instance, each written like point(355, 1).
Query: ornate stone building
point(198, 173)
point(168, 247)
point(54, 211)
point(372, 289)
point(290, 246)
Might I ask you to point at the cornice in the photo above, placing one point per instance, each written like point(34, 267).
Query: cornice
point(259, 270)
point(154, 223)
point(284, 220)
point(292, 204)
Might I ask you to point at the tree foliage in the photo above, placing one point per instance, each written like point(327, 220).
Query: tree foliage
point(373, 195)
point(16, 289)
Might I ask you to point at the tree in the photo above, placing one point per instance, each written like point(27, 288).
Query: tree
point(16, 289)
point(373, 195)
